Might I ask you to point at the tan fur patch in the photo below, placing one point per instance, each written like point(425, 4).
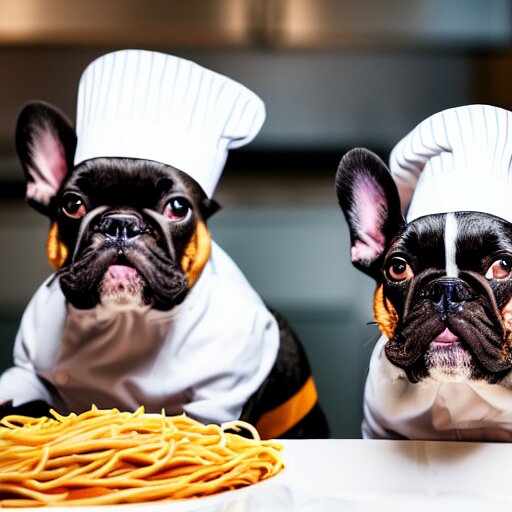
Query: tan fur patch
point(56, 251)
point(506, 316)
point(196, 253)
point(384, 313)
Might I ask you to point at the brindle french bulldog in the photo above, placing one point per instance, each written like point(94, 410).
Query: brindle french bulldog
point(136, 313)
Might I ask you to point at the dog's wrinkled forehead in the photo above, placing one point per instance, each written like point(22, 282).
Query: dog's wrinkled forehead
point(423, 240)
point(129, 182)
point(469, 239)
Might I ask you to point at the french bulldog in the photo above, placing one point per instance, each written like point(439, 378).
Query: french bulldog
point(130, 235)
point(443, 303)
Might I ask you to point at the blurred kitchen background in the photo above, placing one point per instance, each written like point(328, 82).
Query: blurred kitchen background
point(334, 74)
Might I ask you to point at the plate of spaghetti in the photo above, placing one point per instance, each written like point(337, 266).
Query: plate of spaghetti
point(108, 457)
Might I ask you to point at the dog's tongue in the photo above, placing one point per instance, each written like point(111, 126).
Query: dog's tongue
point(446, 336)
point(117, 272)
point(121, 283)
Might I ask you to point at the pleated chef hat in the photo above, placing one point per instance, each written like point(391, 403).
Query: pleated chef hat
point(148, 105)
point(457, 160)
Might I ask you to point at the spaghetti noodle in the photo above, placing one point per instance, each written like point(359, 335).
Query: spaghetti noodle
point(106, 457)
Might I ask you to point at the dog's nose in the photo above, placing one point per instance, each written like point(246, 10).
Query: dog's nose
point(121, 226)
point(448, 295)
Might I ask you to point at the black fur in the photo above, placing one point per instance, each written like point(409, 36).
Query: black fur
point(129, 187)
point(35, 409)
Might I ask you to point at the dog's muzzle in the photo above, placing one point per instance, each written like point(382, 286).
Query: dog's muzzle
point(120, 229)
point(448, 294)
point(123, 228)
point(125, 256)
point(461, 316)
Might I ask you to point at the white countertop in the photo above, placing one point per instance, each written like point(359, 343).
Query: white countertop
point(362, 475)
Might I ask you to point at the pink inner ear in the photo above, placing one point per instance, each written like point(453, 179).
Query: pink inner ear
point(369, 211)
point(49, 169)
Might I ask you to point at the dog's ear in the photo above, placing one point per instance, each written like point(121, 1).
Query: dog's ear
point(46, 143)
point(369, 199)
point(209, 207)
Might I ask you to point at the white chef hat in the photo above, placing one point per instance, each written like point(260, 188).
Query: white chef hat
point(457, 160)
point(149, 105)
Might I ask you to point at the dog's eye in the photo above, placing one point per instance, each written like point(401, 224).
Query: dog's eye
point(177, 208)
point(499, 270)
point(398, 269)
point(73, 206)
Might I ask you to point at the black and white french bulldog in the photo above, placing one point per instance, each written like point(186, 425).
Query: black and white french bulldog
point(131, 234)
point(444, 304)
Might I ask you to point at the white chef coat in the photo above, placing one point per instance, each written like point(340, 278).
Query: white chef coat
point(396, 408)
point(205, 357)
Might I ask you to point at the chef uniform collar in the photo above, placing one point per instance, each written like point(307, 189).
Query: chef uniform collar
point(456, 160)
point(149, 105)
